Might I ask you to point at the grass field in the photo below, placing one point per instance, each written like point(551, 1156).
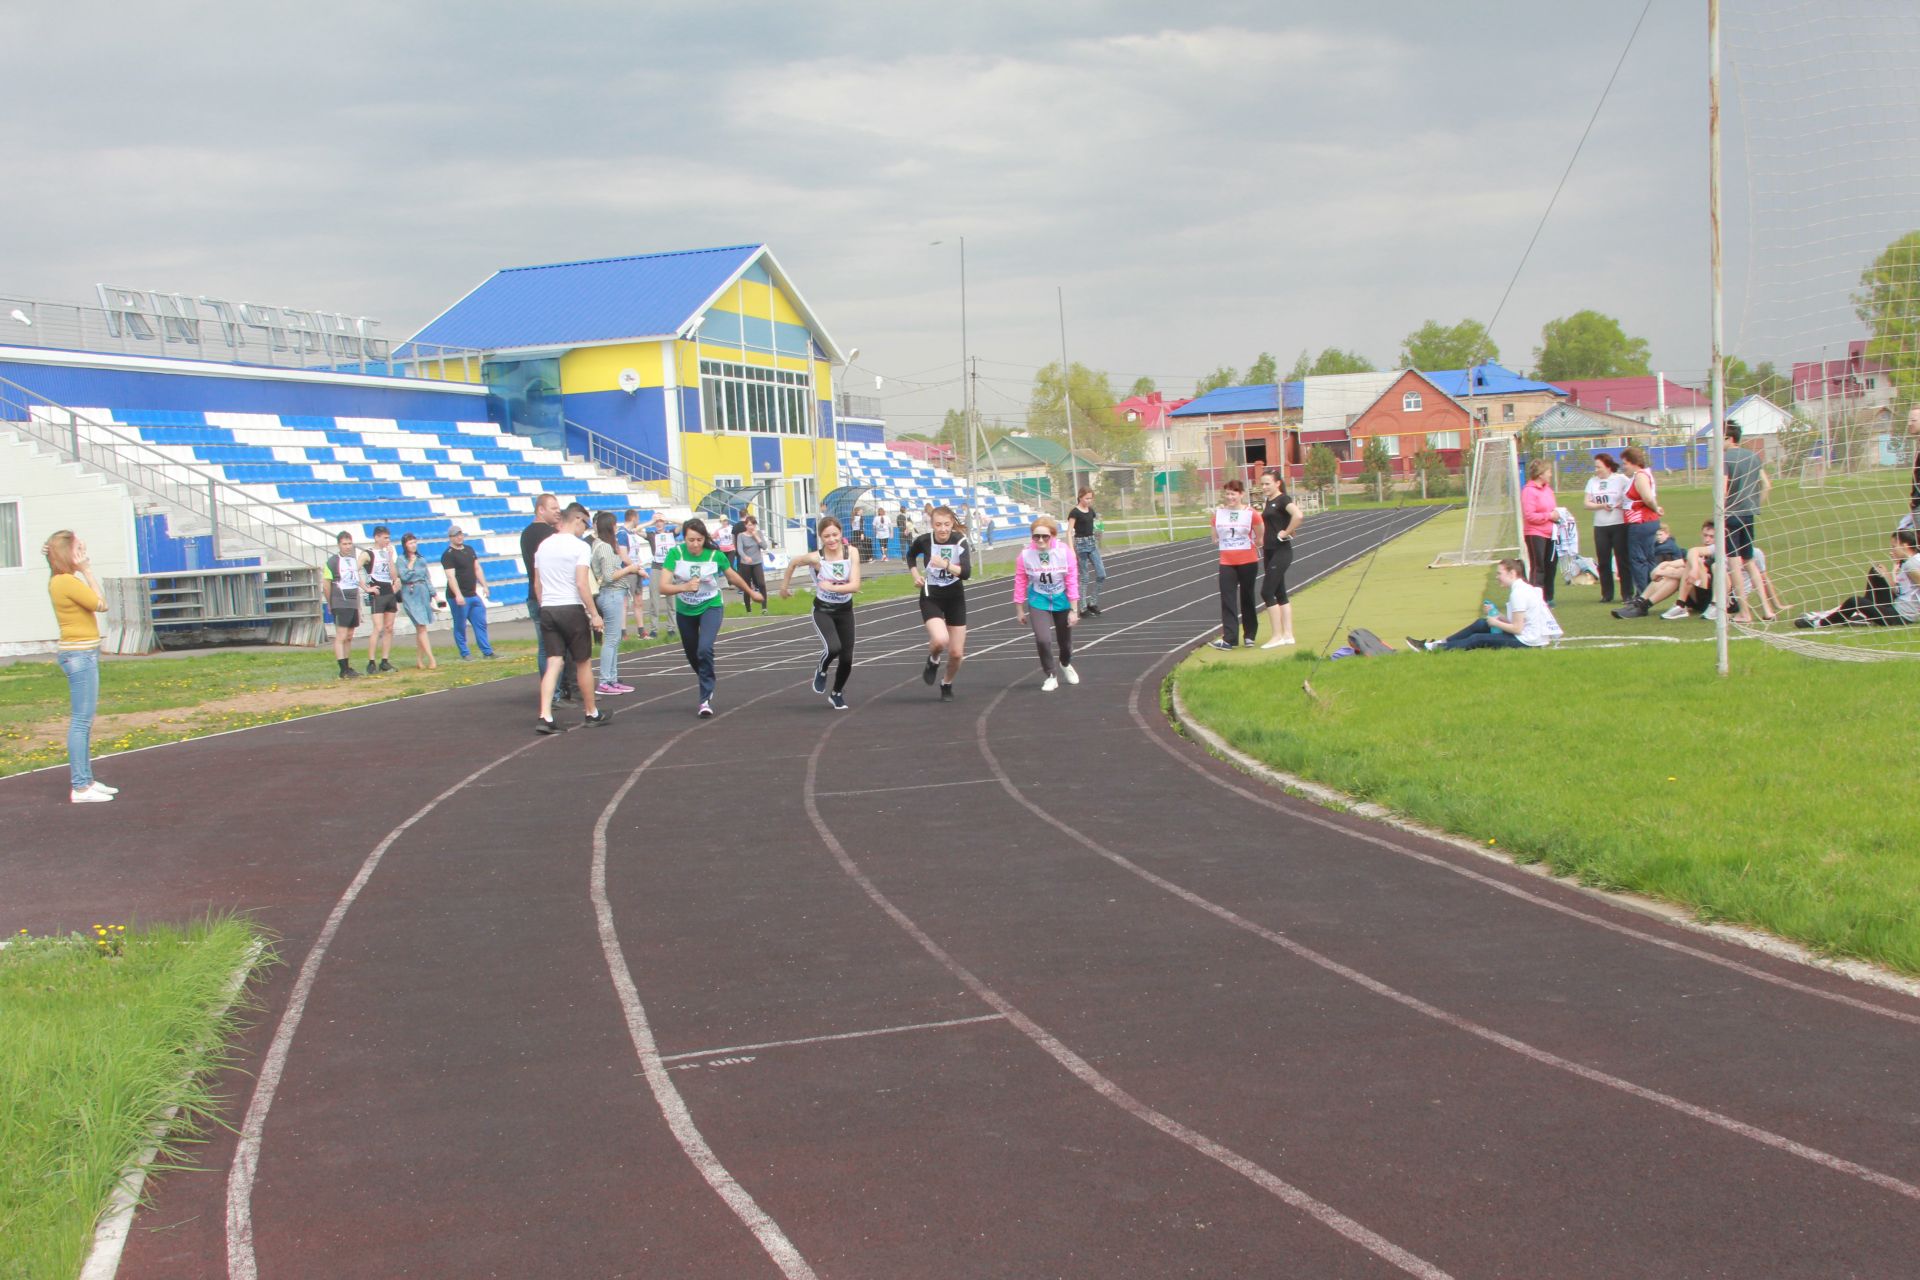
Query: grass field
point(1774, 798)
point(100, 1034)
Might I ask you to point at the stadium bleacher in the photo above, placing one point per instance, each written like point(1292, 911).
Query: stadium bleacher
point(412, 476)
point(906, 481)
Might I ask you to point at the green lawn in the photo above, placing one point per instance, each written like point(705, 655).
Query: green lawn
point(1775, 797)
point(97, 1042)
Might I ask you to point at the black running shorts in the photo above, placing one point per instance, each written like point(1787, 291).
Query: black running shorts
point(951, 609)
point(564, 631)
point(384, 600)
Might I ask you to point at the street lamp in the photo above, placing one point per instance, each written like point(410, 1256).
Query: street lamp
point(966, 385)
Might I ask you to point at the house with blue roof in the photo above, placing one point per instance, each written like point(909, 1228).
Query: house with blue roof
point(1231, 429)
point(706, 363)
point(1498, 397)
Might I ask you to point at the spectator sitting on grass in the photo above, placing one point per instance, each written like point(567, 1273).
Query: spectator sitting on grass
point(1690, 576)
point(1528, 622)
point(1892, 598)
point(1665, 547)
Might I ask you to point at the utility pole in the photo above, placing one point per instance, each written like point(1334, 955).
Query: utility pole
point(1066, 398)
point(1717, 477)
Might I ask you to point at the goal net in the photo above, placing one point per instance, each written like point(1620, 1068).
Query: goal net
point(1493, 505)
point(1822, 170)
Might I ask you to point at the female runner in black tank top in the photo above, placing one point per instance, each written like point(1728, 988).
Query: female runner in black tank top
point(941, 561)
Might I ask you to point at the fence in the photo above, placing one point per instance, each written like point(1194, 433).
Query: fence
point(270, 605)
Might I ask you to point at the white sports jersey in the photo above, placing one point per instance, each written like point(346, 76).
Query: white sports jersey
point(1235, 527)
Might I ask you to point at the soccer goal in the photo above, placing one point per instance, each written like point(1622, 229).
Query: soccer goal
point(1493, 505)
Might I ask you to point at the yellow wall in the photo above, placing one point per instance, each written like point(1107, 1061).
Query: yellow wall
point(586, 369)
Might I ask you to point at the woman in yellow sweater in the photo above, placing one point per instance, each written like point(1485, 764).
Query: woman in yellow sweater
point(77, 602)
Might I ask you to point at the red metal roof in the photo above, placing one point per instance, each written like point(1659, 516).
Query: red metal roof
point(1150, 410)
point(1631, 395)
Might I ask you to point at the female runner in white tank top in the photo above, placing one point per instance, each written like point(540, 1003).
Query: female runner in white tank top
point(836, 576)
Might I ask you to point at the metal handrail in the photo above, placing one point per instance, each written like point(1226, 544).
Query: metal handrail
point(113, 452)
point(68, 326)
point(633, 464)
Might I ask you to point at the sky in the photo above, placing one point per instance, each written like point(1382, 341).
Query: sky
point(1202, 182)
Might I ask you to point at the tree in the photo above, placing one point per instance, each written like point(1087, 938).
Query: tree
point(1429, 466)
point(1331, 360)
point(1375, 465)
point(1587, 344)
point(953, 431)
point(1885, 303)
point(1142, 386)
point(1224, 376)
point(1760, 380)
point(1437, 346)
point(1097, 428)
point(1322, 468)
point(1263, 370)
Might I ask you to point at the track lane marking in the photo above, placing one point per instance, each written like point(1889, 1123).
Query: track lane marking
point(828, 1039)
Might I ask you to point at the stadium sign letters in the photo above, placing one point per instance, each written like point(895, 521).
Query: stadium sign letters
point(149, 315)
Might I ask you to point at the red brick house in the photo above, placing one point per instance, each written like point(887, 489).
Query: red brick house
point(1413, 414)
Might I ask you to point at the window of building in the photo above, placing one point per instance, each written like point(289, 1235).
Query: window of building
point(1506, 413)
point(1870, 384)
point(1410, 402)
point(10, 534)
point(746, 397)
point(1480, 415)
point(1393, 445)
point(1443, 440)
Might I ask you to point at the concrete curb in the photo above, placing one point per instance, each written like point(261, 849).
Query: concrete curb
point(1331, 798)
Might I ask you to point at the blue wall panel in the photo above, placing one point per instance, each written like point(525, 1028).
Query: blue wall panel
point(161, 552)
point(140, 389)
point(766, 455)
point(826, 420)
point(862, 433)
point(638, 421)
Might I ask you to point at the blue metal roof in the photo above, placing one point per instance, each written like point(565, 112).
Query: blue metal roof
point(1258, 398)
point(1488, 380)
point(602, 300)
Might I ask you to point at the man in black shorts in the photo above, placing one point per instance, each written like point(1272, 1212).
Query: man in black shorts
point(941, 562)
point(546, 514)
point(380, 566)
point(1747, 487)
point(568, 615)
point(343, 601)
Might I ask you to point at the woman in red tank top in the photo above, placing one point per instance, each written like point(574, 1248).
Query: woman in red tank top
point(1642, 511)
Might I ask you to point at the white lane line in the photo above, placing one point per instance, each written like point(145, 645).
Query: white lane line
point(1087, 1074)
point(241, 1264)
point(1307, 813)
point(917, 786)
point(842, 1035)
point(1533, 1053)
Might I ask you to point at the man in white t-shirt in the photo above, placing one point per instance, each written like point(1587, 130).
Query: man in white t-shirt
point(1526, 623)
point(568, 615)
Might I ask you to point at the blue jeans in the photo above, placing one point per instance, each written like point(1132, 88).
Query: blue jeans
point(613, 609)
point(1482, 635)
point(1093, 571)
point(1640, 542)
point(474, 610)
point(698, 631)
point(82, 668)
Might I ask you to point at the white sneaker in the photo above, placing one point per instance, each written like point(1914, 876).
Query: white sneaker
point(101, 786)
point(1046, 686)
point(1676, 613)
point(90, 796)
point(1711, 613)
point(1277, 642)
point(1073, 677)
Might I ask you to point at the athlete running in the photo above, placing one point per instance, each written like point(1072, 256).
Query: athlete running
point(1046, 596)
point(836, 576)
point(941, 561)
point(695, 574)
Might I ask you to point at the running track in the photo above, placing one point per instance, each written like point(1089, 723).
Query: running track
point(1020, 986)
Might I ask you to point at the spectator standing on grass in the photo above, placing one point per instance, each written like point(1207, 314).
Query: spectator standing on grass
point(1237, 531)
point(1085, 522)
point(613, 579)
point(1280, 518)
point(546, 516)
point(78, 603)
point(1747, 486)
point(723, 539)
point(1526, 623)
point(901, 529)
point(751, 548)
point(1046, 597)
point(1771, 606)
point(466, 593)
point(568, 615)
point(415, 577)
point(1537, 505)
point(1913, 494)
point(383, 599)
point(1892, 597)
point(1606, 495)
point(342, 572)
point(1641, 511)
point(631, 538)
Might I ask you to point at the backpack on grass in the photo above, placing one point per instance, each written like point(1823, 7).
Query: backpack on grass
point(1365, 644)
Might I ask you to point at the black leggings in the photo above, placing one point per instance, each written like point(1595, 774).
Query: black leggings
point(1273, 586)
point(1542, 560)
point(835, 624)
point(1052, 630)
point(1875, 607)
point(755, 576)
point(1239, 613)
point(1609, 553)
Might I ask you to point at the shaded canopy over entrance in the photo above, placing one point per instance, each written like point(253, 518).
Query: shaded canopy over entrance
point(732, 503)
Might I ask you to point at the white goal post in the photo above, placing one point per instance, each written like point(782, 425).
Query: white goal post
point(1493, 506)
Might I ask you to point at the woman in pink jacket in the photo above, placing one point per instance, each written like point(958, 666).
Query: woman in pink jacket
point(1537, 507)
point(1046, 596)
